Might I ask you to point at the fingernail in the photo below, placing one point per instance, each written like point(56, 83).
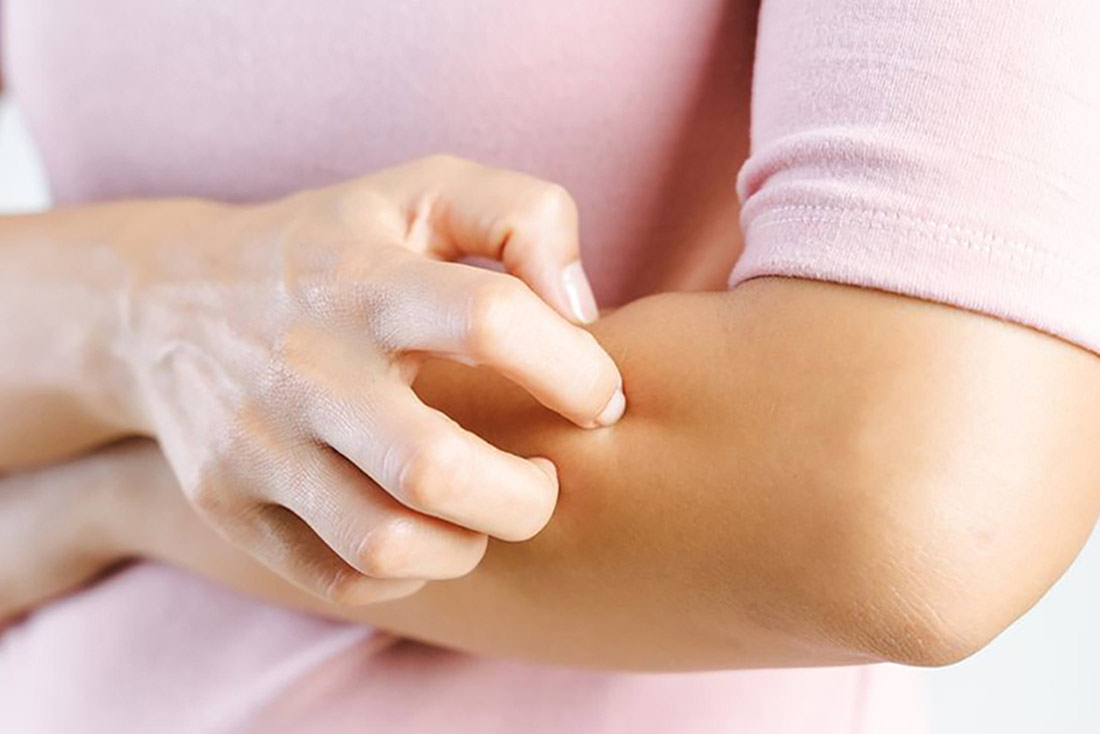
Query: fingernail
point(579, 293)
point(614, 409)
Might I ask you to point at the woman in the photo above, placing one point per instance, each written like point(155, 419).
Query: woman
point(807, 473)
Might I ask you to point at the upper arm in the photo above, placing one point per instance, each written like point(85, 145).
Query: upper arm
point(935, 470)
point(806, 474)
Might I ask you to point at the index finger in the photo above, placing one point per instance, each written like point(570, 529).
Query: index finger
point(495, 320)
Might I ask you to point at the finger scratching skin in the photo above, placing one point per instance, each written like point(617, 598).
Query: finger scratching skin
point(431, 474)
point(351, 589)
point(487, 491)
point(420, 548)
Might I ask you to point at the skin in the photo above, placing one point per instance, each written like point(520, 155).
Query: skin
point(807, 474)
point(819, 475)
point(270, 349)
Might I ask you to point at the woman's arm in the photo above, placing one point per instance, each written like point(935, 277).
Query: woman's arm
point(63, 279)
point(814, 474)
point(809, 474)
point(93, 297)
point(270, 350)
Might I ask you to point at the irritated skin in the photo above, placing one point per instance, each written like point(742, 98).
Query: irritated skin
point(806, 474)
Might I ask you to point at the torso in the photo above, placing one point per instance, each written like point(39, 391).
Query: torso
point(639, 108)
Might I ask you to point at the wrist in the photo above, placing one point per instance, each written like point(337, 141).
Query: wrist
point(156, 246)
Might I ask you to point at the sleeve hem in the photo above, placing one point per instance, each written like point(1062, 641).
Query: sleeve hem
point(969, 269)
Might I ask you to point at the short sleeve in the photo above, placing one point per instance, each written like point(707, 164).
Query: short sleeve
point(942, 149)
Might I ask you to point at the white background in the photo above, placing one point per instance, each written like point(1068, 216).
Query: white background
point(1041, 676)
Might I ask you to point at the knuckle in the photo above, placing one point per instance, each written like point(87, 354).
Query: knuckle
point(553, 201)
point(387, 550)
point(545, 207)
point(548, 205)
point(279, 379)
point(439, 162)
point(346, 211)
point(209, 497)
point(349, 200)
point(430, 475)
point(305, 486)
point(341, 588)
point(494, 309)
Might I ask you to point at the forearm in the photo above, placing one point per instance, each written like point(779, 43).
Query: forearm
point(65, 383)
point(657, 556)
point(806, 475)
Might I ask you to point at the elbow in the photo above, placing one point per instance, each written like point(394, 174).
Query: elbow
point(928, 572)
point(891, 601)
point(912, 588)
point(910, 611)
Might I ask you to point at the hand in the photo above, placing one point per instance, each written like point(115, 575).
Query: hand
point(274, 347)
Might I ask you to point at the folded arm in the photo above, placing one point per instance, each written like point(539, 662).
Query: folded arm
point(811, 474)
point(808, 474)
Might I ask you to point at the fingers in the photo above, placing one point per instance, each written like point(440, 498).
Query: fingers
point(431, 465)
point(457, 207)
point(320, 523)
point(495, 320)
point(372, 532)
point(283, 542)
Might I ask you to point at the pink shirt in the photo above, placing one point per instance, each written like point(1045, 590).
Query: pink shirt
point(938, 148)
